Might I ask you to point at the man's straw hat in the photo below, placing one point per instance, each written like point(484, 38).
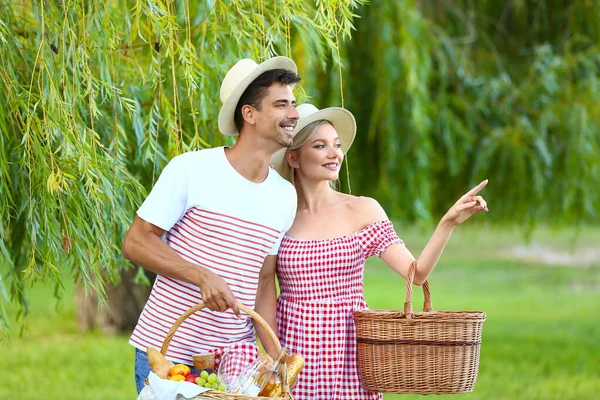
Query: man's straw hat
point(237, 80)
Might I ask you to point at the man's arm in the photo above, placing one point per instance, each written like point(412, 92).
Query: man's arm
point(143, 246)
point(266, 297)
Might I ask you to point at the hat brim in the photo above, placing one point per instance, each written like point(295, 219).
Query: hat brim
point(226, 114)
point(342, 120)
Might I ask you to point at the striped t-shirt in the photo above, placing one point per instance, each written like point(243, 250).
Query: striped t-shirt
point(217, 219)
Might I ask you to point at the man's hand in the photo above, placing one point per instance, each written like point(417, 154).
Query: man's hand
point(143, 245)
point(216, 294)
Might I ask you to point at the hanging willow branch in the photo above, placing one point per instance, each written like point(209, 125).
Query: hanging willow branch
point(97, 96)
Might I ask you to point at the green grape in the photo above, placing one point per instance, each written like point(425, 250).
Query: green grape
point(222, 387)
point(201, 381)
point(203, 374)
point(212, 378)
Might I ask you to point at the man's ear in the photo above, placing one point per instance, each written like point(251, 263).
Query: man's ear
point(249, 114)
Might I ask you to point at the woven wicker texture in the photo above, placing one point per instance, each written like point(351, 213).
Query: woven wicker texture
point(213, 394)
point(429, 352)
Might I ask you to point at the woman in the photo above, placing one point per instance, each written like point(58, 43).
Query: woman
point(321, 258)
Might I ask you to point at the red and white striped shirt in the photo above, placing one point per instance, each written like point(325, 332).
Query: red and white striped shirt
point(218, 220)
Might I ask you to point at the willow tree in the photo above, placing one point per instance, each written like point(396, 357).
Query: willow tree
point(97, 96)
point(447, 93)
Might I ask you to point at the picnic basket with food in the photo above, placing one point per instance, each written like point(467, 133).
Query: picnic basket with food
point(271, 379)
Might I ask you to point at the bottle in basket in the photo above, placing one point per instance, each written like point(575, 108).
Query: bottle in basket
point(261, 373)
point(276, 376)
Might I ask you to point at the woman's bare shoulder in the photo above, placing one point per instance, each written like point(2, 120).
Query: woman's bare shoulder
point(366, 210)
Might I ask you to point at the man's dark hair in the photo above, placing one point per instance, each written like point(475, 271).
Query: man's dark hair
point(257, 90)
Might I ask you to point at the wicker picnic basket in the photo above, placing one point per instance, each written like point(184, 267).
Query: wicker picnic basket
point(204, 362)
point(429, 352)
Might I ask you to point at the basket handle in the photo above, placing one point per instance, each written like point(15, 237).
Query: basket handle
point(200, 306)
point(408, 310)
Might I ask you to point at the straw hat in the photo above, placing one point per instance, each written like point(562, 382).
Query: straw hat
point(342, 120)
point(237, 80)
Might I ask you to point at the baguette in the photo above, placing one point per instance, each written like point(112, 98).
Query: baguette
point(294, 364)
point(159, 364)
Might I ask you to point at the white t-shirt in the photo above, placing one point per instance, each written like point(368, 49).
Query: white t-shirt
point(215, 218)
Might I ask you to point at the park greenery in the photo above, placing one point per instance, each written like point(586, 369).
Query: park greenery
point(97, 96)
point(540, 337)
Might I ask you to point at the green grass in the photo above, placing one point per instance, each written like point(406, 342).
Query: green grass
point(52, 360)
point(541, 339)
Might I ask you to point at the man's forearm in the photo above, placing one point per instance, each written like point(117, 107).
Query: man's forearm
point(143, 245)
point(150, 252)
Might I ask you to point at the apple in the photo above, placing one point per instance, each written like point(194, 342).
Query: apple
point(191, 378)
point(180, 369)
point(177, 378)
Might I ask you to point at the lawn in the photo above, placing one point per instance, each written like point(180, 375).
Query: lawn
point(541, 339)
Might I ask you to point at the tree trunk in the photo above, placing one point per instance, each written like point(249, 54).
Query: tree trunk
point(120, 313)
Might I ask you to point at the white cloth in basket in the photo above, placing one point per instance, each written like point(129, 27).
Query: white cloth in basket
point(164, 389)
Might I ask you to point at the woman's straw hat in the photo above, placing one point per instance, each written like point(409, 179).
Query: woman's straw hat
point(342, 120)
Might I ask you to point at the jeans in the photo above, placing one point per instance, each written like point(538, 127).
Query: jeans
point(142, 369)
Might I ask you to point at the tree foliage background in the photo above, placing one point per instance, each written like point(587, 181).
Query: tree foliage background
point(98, 95)
point(449, 92)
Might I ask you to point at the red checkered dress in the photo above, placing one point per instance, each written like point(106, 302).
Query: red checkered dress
point(321, 284)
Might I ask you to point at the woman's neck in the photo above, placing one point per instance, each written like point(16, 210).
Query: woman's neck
point(314, 195)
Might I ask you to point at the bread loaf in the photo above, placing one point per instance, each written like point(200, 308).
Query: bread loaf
point(159, 364)
point(294, 364)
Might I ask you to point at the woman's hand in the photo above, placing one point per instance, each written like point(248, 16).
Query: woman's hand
point(467, 205)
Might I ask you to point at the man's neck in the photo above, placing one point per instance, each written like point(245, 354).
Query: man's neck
point(251, 158)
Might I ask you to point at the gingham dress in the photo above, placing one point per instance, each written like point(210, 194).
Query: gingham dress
point(321, 283)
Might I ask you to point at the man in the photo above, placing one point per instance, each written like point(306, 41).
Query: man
point(211, 226)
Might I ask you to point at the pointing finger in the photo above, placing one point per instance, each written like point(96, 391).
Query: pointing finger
point(477, 188)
